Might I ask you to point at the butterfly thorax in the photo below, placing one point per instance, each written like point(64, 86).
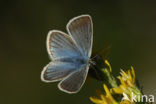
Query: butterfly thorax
point(78, 61)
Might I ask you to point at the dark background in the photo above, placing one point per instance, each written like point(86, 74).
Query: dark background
point(130, 27)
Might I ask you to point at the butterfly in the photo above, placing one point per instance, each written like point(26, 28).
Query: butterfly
point(70, 54)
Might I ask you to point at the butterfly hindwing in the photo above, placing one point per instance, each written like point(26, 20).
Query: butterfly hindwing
point(74, 82)
point(56, 71)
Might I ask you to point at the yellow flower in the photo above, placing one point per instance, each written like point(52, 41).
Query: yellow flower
point(127, 87)
point(126, 102)
point(127, 80)
point(108, 64)
point(104, 99)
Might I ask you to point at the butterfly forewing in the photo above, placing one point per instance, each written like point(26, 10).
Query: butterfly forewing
point(81, 30)
point(60, 45)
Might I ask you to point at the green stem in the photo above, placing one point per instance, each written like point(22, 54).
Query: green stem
point(111, 79)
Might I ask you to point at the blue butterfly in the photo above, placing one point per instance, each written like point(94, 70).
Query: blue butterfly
point(70, 54)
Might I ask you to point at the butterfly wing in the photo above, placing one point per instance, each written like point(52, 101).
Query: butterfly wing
point(60, 45)
point(81, 30)
point(74, 82)
point(61, 49)
point(56, 71)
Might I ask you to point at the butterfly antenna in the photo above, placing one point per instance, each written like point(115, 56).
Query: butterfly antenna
point(94, 57)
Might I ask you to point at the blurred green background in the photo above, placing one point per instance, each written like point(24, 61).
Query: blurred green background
point(130, 27)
